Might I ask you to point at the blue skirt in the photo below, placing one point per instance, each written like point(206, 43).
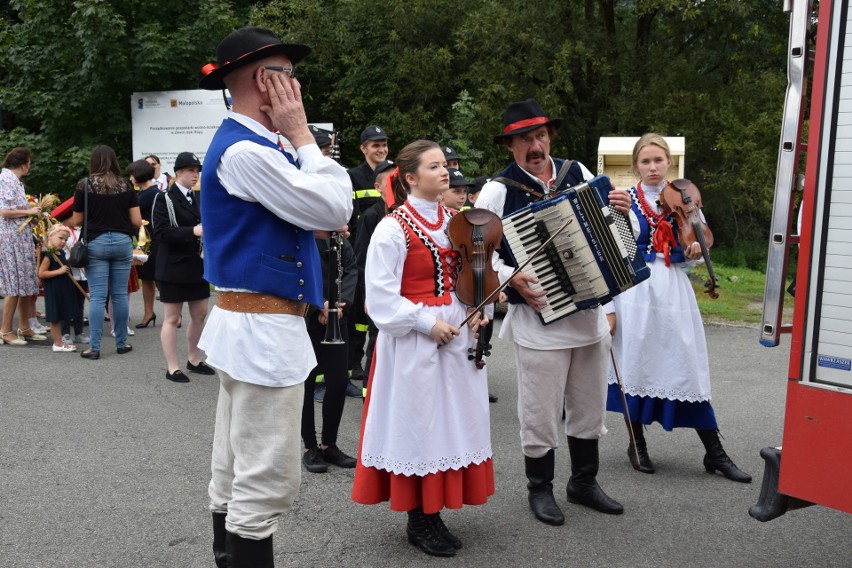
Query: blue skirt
point(669, 413)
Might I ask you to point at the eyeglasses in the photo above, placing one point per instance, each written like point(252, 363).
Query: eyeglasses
point(290, 71)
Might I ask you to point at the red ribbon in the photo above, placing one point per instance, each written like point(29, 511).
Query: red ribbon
point(524, 123)
point(390, 200)
point(664, 239)
point(209, 68)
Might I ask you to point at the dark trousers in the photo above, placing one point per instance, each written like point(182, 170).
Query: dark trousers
point(78, 312)
point(331, 363)
point(373, 332)
point(358, 322)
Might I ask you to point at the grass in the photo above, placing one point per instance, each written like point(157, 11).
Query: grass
point(740, 300)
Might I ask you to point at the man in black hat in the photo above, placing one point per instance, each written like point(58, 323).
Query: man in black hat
point(451, 157)
point(323, 139)
point(374, 146)
point(261, 209)
point(561, 366)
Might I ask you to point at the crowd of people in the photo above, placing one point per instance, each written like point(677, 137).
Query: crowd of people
point(356, 270)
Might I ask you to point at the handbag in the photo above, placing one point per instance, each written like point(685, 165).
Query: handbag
point(79, 255)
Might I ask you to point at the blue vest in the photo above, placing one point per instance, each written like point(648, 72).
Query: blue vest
point(247, 246)
point(645, 240)
point(518, 199)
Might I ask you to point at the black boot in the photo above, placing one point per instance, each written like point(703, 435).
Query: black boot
point(220, 551)
point(583, 488)
point(717, 459)
point(441, 530)
point(645, 464)
point(248, 553)
point(540, 486)
point(422, 534)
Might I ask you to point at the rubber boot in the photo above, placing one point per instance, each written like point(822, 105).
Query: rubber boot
point(540, 486)
point(717, 460)
point(249, 553)
point(422, 535)
point(645, 465)
point(583, 488)
point(220, 551)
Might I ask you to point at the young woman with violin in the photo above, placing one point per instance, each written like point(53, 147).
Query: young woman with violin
point(425, 433)
point(658, 335)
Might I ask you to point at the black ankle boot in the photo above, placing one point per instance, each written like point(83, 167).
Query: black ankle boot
point(583, 487)
point(248, 553)
point(442, 531)
point(220, 551)
point(422, 535)
point(540, 486)
point(717, 459)
point(645, 465)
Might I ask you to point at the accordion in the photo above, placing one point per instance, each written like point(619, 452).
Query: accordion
point(590, 262)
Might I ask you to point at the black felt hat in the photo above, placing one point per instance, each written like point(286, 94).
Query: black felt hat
point(186, 160)
point(524, 116)
point(244, 46)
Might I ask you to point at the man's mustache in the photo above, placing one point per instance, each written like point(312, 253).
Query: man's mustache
point(534, 155)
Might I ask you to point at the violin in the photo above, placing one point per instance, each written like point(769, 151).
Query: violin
point(683, 200)
point(475, 234)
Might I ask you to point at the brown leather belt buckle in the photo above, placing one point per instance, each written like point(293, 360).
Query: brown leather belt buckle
point(255, 303)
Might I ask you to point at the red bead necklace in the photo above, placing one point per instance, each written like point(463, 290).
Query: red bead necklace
point(422, 220)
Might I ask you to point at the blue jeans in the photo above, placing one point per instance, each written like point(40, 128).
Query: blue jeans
point(110, 255)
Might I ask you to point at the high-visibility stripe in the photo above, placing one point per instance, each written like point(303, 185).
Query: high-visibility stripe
point(361, 193)
point(362, 327)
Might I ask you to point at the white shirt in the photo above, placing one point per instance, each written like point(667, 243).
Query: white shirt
point(522, 324)
point(274, 349)
point(162, 182)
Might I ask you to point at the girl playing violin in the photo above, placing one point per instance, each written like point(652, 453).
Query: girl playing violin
point(658, 335)
point(425, 433)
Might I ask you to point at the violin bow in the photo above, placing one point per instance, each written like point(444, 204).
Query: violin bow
point(500, 288)
point(626, 412)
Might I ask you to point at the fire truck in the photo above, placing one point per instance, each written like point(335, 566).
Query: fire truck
point(813, 465)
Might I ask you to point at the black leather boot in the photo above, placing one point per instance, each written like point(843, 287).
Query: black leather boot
point(248, 553)
point(716, 458)
point(220, 551)
point(441, 530)
point(540, 486)
point(645, 464)
point(422, 535)
point(583, 487)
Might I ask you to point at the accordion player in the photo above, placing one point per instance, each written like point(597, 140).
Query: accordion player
point(590, 262)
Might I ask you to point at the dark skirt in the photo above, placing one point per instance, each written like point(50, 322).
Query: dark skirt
point(60, 299)
point(178, 292)
point(669, 413)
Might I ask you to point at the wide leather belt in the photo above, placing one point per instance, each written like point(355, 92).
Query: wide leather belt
point(255, 303)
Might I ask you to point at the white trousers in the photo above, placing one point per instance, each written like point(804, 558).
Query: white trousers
point(552, 380)
point(257, 455)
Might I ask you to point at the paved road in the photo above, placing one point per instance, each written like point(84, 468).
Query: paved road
point(105, 464)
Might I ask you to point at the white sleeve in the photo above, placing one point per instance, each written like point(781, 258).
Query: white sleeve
point(316, 197)
point(392, 313)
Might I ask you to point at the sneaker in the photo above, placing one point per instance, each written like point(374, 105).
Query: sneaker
point(37, 327)
point(63, 348)
point(333, 455)
point(66, 339)
point(81, 338)
point(130, 331)
point(319, 393)
point(353, 391)
point(314, 462)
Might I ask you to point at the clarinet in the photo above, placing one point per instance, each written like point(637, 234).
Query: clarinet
point(335, 272)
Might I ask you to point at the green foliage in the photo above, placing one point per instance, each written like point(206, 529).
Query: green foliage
point(69, 69)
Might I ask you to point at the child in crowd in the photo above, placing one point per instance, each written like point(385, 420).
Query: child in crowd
point(456, 196)
point(79, 275)
point(59, 297)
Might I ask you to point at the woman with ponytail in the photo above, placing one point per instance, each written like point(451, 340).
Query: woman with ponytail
point(425, 433)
